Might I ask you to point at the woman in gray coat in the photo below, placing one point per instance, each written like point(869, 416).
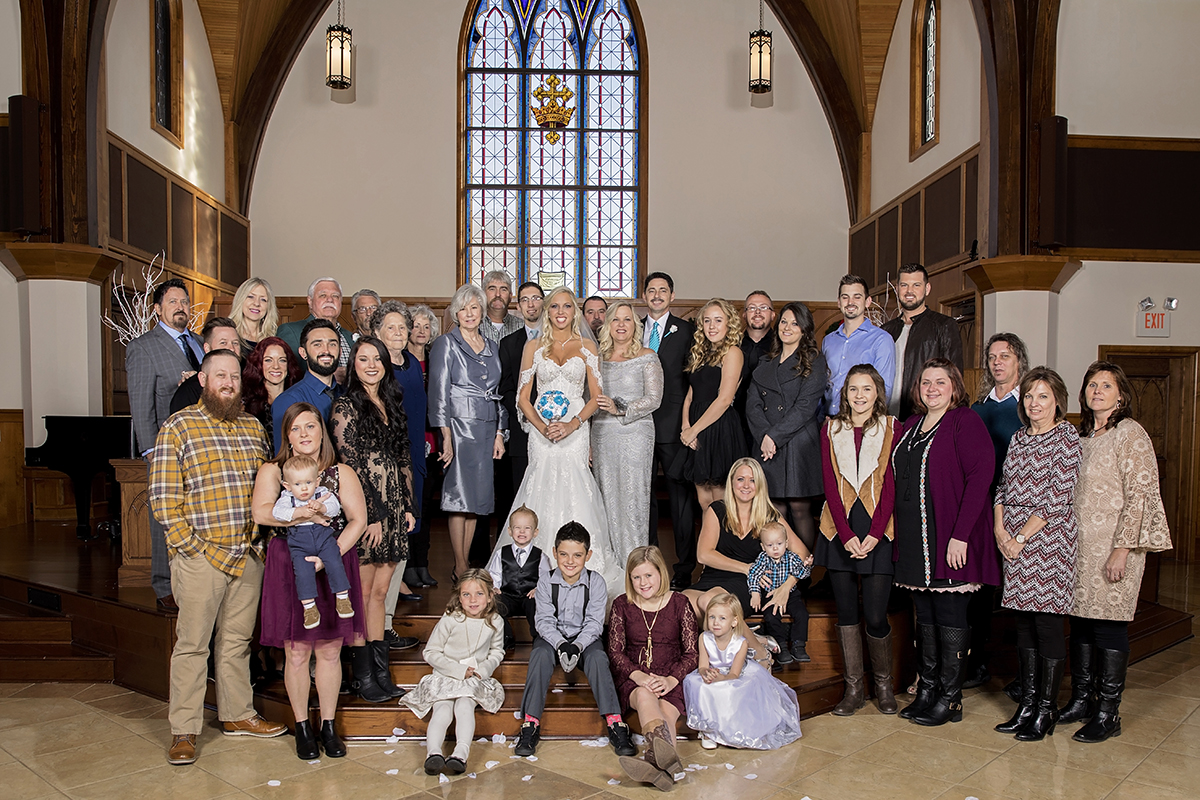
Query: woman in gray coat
point(464, 401)
point(784, 412)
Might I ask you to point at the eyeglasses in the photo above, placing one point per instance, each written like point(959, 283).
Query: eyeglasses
point(757, 309)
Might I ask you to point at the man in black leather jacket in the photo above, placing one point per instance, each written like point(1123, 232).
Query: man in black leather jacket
point(920, 334)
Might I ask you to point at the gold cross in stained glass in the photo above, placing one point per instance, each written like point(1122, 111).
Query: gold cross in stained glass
point(552, 113)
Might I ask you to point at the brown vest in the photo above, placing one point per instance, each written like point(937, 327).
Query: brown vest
point(859, 477)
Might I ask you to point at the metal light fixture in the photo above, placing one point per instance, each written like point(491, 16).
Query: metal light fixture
point(760, 57)
point(1171, 303)
point(339, 50)
point(1145, 304)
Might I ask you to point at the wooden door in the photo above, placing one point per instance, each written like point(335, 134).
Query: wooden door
point(1164, 387)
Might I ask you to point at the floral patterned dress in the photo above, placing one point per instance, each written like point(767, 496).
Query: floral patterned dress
point(662, 642)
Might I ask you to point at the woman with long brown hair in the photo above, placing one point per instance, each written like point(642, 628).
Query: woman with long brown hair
point(857, 532)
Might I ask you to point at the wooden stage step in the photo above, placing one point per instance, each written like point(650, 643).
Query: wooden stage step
point(37, 645)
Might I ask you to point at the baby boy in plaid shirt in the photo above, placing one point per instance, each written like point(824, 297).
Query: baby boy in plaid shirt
point(785, 570)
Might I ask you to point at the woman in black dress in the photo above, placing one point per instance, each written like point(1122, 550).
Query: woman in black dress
point(371, 433)
point(857, 532)
point(713, 436)
point(784, 410)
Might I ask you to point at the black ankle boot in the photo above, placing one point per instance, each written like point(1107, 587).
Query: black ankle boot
point(306, 743)
point(383, 673)
point(952, 658)
point(364, 676)
point(426, 578)
point(927, 672)
point(334, 747)
point(1082, 705)
point(1041, 725)
point(1110, 684)
point(1027, 666)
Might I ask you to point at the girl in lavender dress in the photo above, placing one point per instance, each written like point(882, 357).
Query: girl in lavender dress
point(730, 699)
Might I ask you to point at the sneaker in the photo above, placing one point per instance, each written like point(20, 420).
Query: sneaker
point(527, 740)
point(397, 642)
point(621, 739)
point(707, 743)
point(182, 750)
point(344, 609)
point(799, 653)
point(312, 617)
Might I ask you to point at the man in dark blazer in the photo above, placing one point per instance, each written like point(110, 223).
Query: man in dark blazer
point(324, 302)
point(530, 298)
point(671, 337)
point(920, 333)
point(219, 333)
point(155, 364)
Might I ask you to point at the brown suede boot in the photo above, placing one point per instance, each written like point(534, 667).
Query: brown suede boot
point(850, 638)
point(645, 772)
point(660, 740)
point(881, 668)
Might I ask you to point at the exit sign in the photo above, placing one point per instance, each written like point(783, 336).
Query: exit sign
point(1156, 324)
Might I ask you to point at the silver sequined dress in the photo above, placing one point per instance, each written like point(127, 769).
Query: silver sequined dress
point(623, 449)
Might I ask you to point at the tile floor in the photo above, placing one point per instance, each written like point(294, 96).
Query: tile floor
point(102, 741)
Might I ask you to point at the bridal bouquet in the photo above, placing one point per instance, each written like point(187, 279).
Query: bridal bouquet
point(552, 405)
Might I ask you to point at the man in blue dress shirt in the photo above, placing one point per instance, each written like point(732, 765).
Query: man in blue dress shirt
point(320, 347)
point(856, 341)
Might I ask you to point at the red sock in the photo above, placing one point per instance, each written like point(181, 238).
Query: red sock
point(612, 719)
point(533, 719)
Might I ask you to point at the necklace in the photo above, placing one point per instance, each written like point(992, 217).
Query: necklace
point(648, 650)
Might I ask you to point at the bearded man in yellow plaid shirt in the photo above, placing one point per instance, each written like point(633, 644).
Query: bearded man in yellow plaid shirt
point(202, 475)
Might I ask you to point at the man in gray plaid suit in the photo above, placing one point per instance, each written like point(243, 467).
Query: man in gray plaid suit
point(156, 363)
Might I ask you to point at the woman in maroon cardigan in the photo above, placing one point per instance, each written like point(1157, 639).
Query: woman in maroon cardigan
point(945, 550)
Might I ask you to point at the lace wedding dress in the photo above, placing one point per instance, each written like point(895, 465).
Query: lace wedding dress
point(558, 484)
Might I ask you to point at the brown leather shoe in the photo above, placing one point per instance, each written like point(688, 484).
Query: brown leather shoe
point(167, 603)
point(182, 750)
point(254, 726)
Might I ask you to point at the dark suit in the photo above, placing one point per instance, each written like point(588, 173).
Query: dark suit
point(188, 394)
point(154, 365)
point(673, 349)
point(512, 347)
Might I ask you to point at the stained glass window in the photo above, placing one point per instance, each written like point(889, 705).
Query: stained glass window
point(929, 74)
point(552, 144)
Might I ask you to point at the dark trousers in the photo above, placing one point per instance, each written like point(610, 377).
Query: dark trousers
point(594, 663)
point(315, 540)
point(418, 540)
point(682, 498)
point(773, 624)
point(509, 604)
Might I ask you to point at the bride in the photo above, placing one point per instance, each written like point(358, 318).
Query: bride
point(558, 484)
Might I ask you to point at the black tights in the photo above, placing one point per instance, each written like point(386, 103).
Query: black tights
point(944, 609)
point(876, 589)
point(1106, 634)
point(1042, 632)
point(800, 509)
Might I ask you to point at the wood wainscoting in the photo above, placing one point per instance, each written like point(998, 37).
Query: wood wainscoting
point(14, 506)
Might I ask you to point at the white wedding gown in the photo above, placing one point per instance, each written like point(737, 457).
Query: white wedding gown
point(558, 484)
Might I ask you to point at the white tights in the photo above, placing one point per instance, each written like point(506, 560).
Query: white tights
point(463, 712)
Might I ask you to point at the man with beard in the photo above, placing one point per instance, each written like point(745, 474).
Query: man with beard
point(593, 312)
point(202, 475)
point(324, 302)
point(155, 364)
point(219, 333)
point(920, 333)
point(497, 287)
point(856, 341)
point(319, 348)
point(530, 299)
point(758, 312)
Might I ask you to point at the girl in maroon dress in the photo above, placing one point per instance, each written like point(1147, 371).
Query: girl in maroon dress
point(652, 635)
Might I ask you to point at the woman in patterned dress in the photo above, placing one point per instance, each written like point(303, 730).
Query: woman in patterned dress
point(370, 429)
point(944, 549)
point(1121, 518)
point(1037, 534)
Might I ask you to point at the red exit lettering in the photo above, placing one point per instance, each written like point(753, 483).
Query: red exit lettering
point(1156, 321)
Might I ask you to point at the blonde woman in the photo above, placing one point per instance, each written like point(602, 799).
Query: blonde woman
point(713, 435)
point(623, 433)
point(558, 485)
point(254, 313)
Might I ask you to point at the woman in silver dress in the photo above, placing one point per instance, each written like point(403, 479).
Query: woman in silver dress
point(623, 430)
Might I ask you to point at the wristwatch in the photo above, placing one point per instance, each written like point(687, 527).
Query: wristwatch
point(1020, 537)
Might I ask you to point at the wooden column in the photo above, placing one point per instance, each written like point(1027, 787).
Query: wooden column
point(134, 478)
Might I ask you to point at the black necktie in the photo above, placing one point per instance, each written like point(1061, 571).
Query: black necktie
point(187, 351)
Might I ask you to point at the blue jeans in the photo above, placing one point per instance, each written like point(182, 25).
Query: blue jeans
point(315, 540)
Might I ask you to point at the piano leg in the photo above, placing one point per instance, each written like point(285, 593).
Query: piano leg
point(82, 486)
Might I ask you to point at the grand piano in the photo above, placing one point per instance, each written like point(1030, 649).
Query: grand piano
point(82, 447)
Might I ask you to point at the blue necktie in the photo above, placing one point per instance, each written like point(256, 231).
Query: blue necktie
point(654, 338)
point(188, 352)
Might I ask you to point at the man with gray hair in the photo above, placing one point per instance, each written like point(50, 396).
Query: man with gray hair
point(362, 306)
point(324, 302)
point(497, 287)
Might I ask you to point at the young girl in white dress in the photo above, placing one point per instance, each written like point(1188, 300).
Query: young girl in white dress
point(464, 649)
point(733, 700)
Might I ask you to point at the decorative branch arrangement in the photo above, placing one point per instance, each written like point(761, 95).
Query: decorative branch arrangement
point(135, 309)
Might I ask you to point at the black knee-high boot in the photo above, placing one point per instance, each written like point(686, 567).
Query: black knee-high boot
point(1082, 705)
point(952, 662)
point(927, 672)
point(1110, 683)
point(1041, 724)
point(1027, 667)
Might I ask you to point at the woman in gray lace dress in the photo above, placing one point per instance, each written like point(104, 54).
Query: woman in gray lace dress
point(623, 430)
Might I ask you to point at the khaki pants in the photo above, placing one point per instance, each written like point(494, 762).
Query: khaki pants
point(208, 597)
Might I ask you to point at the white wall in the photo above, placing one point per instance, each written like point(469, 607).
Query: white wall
point(958, 106)
point(367, 190)
point(1129, 67)
point(10, 51)
point(127, 51)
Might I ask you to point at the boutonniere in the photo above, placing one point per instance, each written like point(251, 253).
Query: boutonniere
point(672, 330)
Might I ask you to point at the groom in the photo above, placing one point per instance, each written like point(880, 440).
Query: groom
point(671, 337)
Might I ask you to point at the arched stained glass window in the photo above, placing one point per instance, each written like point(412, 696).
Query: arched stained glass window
point(924, 81)
point(553, 144)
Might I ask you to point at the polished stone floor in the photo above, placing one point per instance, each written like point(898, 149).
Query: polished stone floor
point(102, 741)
